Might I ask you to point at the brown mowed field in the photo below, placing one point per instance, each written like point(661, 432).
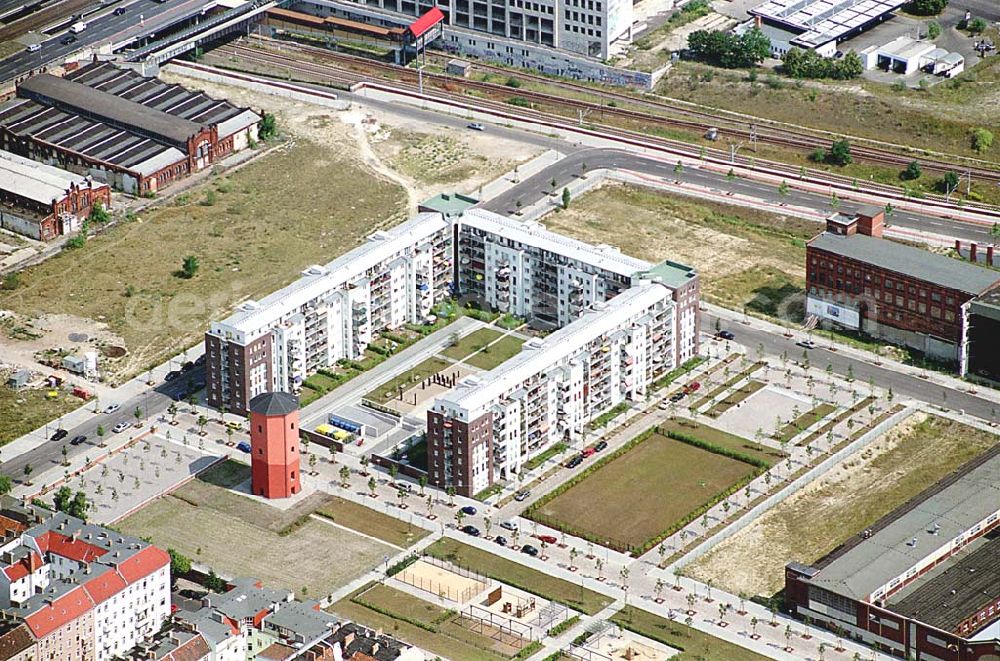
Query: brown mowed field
point(653, 485)
point(848, 498)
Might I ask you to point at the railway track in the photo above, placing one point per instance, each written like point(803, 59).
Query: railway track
point(278, 64)
point(692, 120)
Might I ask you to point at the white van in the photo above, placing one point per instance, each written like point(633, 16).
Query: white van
point(78, 27)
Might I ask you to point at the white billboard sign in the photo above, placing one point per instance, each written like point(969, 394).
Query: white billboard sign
point(826, 310)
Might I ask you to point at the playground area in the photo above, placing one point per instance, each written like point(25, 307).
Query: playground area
point(440, 580)
point(418, 398)
point(621, 645)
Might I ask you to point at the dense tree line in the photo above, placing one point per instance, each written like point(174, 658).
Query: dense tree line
point(808, 64)
point(729, 50)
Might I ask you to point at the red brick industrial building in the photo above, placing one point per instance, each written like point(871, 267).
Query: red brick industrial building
point(924, 581)
point(898, 293)
point(43, 202)
point(274, 445)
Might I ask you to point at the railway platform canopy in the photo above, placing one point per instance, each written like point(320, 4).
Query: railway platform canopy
point(813, 24)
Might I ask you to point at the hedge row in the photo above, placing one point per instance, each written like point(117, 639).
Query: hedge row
point(402, 564)
point(675, 374)
point(565, 625)
point(396, 616)
point(718, 449)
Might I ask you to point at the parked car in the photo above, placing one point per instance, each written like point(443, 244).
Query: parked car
point(470, 510)
point(188, 366)
point(509, 525)
point(588, 452)
point(171, 375)
point(78, 439)
point(120, 427)
point(806, 344)
point(235, 426)
point(529, 549)
point(522, 495)
point(677, 396)
point(601, 445)
point(200, 360)
point(112, 408)
point(472, 531)
point(59, 435)
point(502, 541)
point(694, 386)
point(476, 126)
point(243, 446)
point(548, 539)
point(726, 335)
point(574, 462)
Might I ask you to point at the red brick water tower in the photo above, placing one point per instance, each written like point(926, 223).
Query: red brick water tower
point(274, 445)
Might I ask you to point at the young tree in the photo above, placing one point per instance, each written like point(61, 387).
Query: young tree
point(840, 152)
point(189, 267)
point(345, 476)
point(172, 411)
point(65, 454)
point(6, 484)
point(949, 183)
point(422, 481)
point(565, 198)
point(372, 484)
point(982, 140)
point(28, 470)
point(933, 30)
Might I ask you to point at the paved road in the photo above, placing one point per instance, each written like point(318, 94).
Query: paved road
point(538, 186)
point(104, 27)
point(152, 402)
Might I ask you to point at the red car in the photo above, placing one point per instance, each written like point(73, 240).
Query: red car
point(548, 539)
point(587, 452)
point(692, 387)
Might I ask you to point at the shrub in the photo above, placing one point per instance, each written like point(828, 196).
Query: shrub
point(911, 172)
point(982, 140)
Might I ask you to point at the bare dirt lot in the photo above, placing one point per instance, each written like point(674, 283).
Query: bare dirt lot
point(850, 497)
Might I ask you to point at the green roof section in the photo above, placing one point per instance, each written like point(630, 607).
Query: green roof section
point(448, 204)
point(672, 274)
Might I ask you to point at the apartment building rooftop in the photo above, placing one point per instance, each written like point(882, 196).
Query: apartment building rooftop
point(253, 316)
point(534, 234)
point(475, 392)
point(672, 274)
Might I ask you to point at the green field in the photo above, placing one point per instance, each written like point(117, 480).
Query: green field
point(368, 521)
point(237, 536)
point(420, 623)
point(519, 576)
point(655, 485)
point(500, 352)
point(695, 645)
point(390, 389)
point(485, 348)
point(23, 411)
point(471, 343)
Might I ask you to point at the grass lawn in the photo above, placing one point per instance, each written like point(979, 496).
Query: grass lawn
point(237, 536)
point(519, 576)
point(503, 350)
point(248, 239)
point(686, 477)
point(227, 474)
point(847, 499)
point(368, 521)
point(388, 390)
point(23, 411)
point(400, 611)
point(734, 398)
point(695, 645)
point(743, 256)
point(471, 343)
point(721, 438)
point(805, 421)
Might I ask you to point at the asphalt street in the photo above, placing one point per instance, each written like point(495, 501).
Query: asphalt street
point(571, 167)
point(141, 18)
point(152, 403)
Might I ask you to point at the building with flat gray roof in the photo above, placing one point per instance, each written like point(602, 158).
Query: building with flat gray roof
point(923, 579)
point(819, 24)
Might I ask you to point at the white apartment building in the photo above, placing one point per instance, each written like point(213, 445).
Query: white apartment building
point(485, 428)
point(61, 572)
point(331, 313)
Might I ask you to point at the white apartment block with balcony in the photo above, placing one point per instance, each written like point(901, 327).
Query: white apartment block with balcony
point(484, 429)
point(332, 312)
point(526, 270)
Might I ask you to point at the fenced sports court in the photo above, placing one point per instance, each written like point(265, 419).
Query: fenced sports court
point(443, 580)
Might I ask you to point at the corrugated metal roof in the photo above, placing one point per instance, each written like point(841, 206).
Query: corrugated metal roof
point(906, 260)
point(36, 181)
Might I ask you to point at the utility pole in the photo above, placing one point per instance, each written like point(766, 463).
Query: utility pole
point(753, 137)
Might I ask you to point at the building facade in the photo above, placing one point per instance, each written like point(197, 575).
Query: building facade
point(491, 423)
point(44, 202)
point(84, 592)
point(332, 313)
point(897, 293)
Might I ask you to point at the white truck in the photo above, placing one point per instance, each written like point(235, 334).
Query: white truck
point(78, 27)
